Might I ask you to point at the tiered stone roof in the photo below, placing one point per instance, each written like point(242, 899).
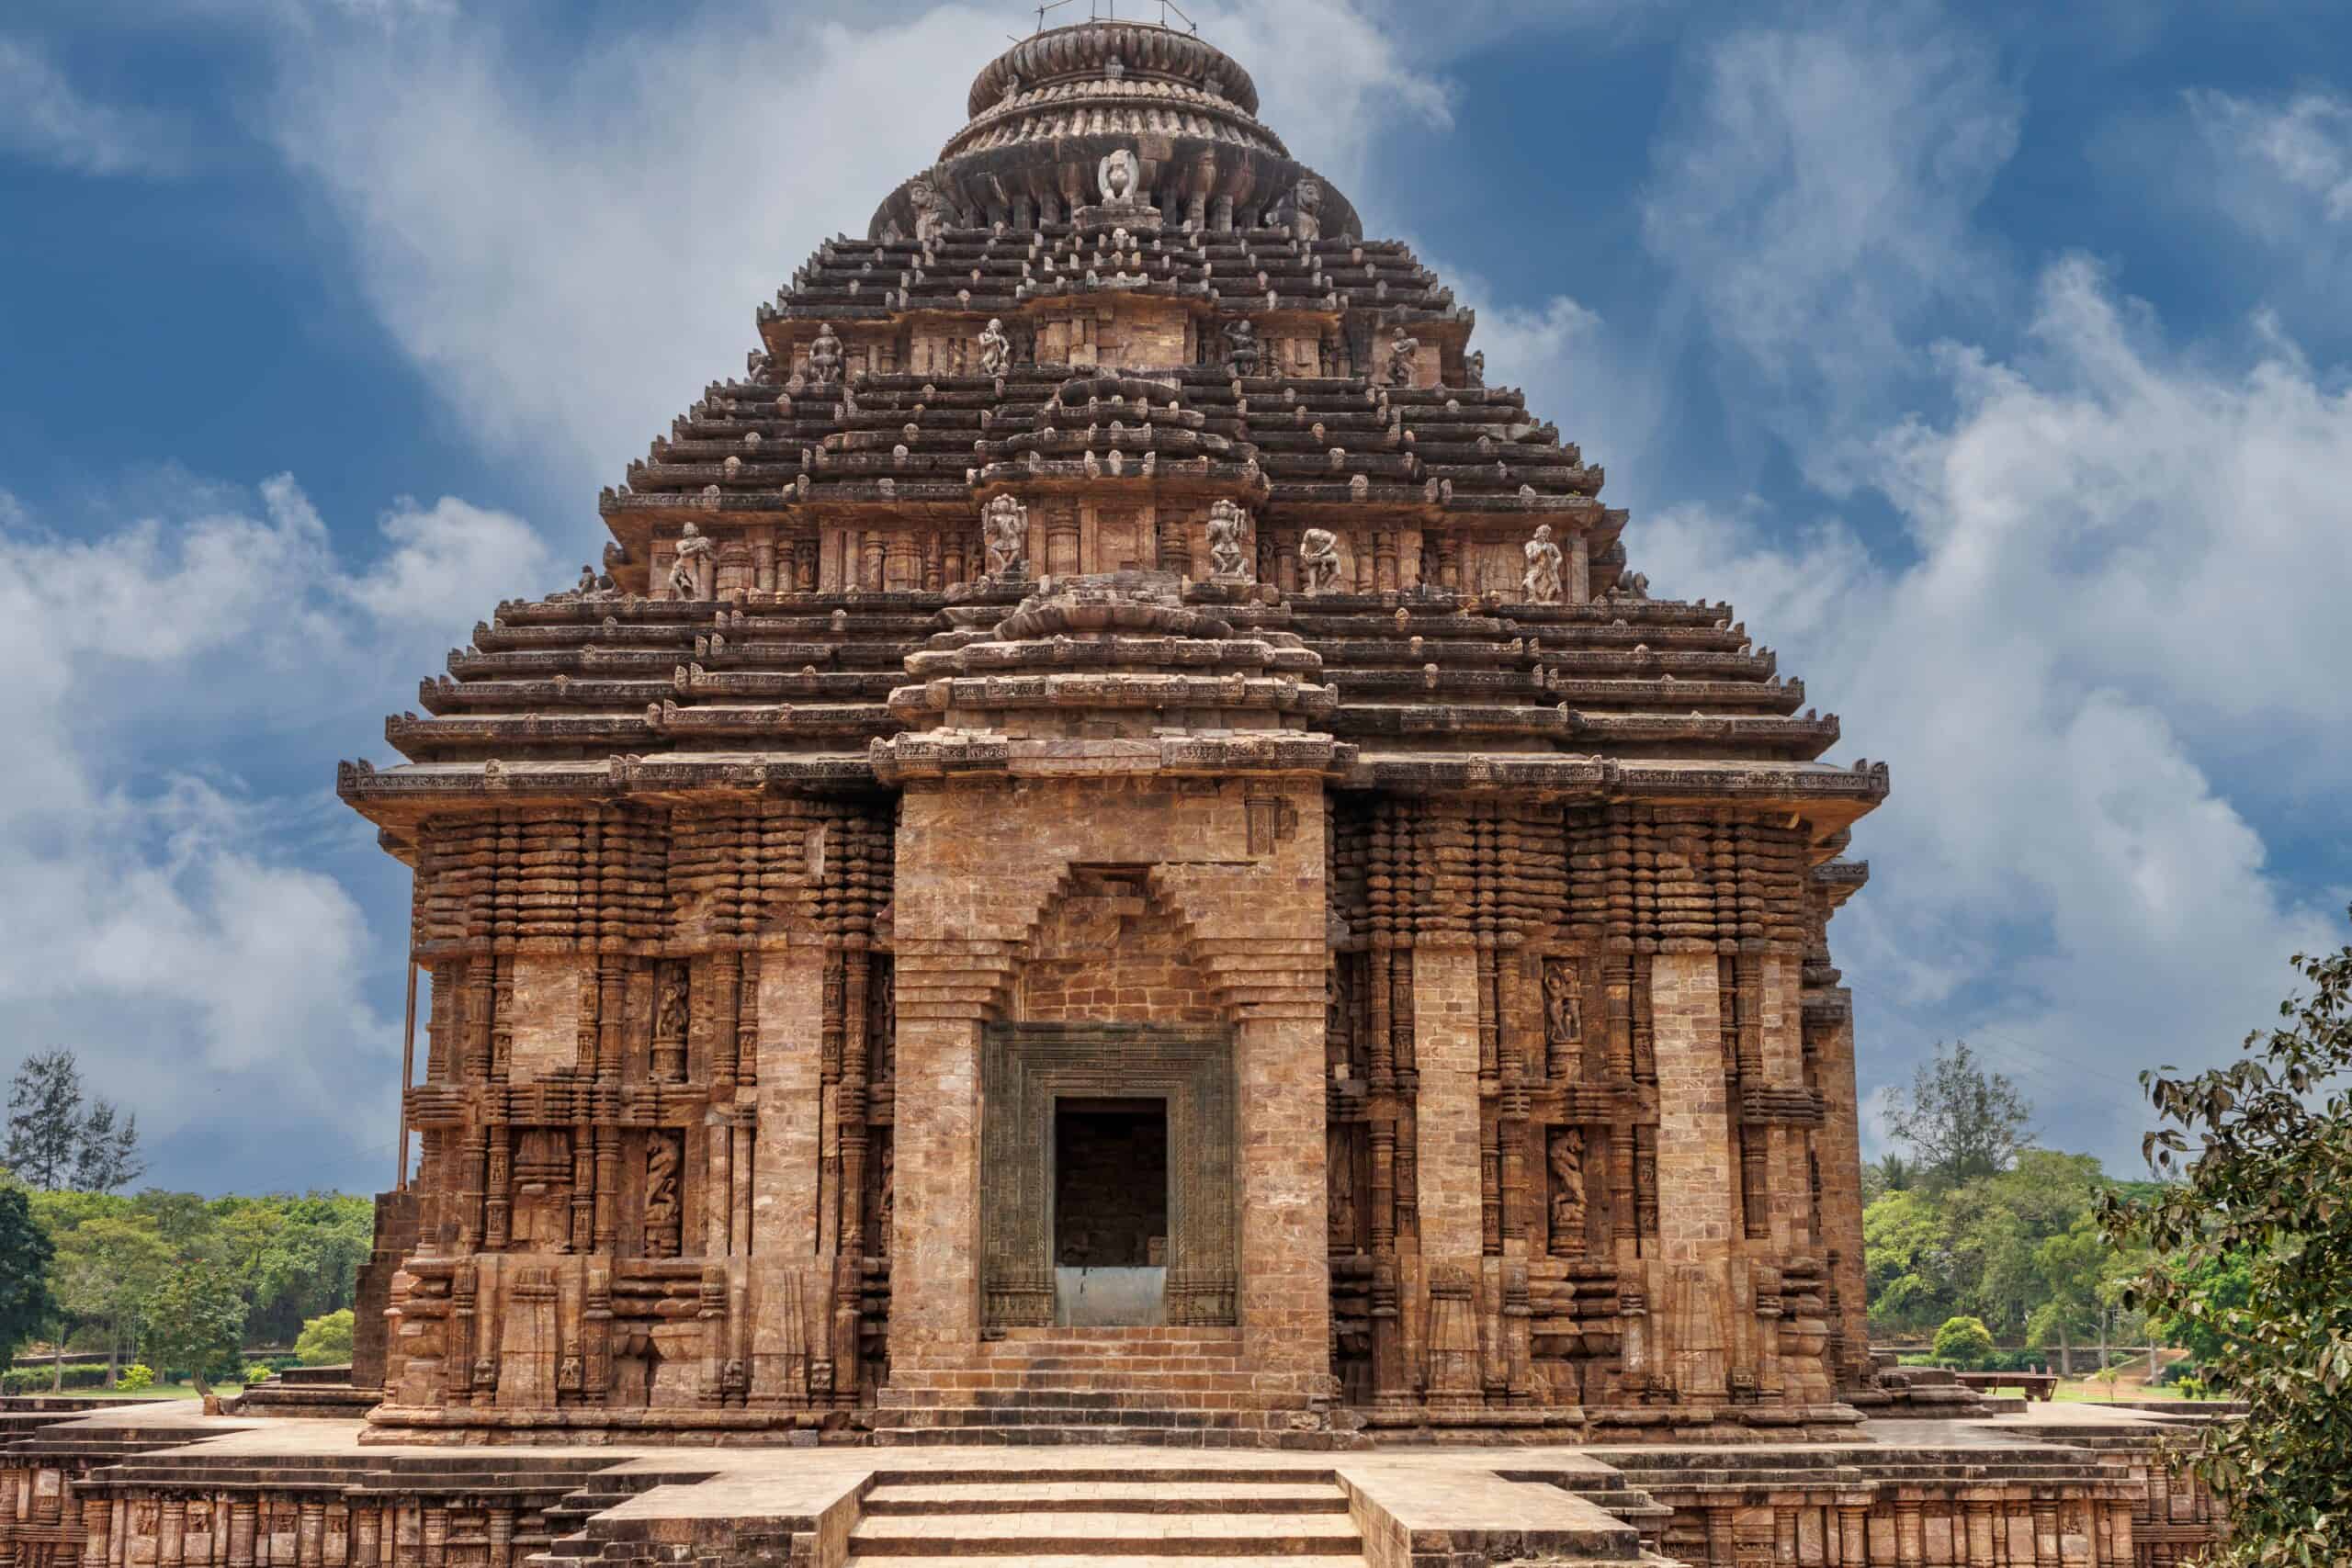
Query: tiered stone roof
point(792, 674)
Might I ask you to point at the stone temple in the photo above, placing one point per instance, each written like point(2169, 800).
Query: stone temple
point(1112, 853)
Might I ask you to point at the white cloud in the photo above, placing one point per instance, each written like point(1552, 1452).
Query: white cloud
point(157, 920)
point(2130, 577)
point(571, 264)
point(2304, 145)
point(1817, 201)
point(50, 121)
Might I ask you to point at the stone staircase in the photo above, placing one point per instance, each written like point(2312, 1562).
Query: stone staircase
point(1092, 1519)
point(1186, 1387)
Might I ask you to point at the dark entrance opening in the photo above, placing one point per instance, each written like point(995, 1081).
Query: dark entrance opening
point(1111, 1183)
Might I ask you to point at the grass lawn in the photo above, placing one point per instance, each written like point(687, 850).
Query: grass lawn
point(152, 1391)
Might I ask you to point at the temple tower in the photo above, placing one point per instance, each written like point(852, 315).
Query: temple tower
point(1114, 821)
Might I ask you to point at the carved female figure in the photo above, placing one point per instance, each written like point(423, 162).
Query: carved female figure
point(1318, 561)
point(1563, 1017)
point(1240, 348)
point(1228, 524)
point(1542, 583)
point(996, 350)
point(1006, 527)
point(825, 356)
point(661, 1206)
point(1567, 1159)
point(1404, 349)
point(685, 572)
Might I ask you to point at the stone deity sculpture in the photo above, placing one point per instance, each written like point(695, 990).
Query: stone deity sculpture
point(825, 356)
point(1631, 585)
point(1006, 527)
point(1563, 1015)
point(1567, 1159)
point(996, 350)
point(1228, 524)
point(1542, 583)
point(1318, 562)
point(930, 213)
point(1306, 210)
point(685, 572)
point(1474, 369)
point(1404, 350)
point(1240, 348)
point(661, 1208)
point(1119, 176)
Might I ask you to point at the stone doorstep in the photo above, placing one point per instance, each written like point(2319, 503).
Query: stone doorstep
point(1115, 1493)
point(1219, 1535)
point(1148, 1559)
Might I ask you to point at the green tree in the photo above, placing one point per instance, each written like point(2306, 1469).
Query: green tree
point(1964, 1122)
point(1963, 1342)
point(26, 1306)
point(326, 1341)
point(195, 1321)
point(59, 1137)
point(2263, 1148)
point(1908, 1258)
point(107, 1269)
point(44, 1119)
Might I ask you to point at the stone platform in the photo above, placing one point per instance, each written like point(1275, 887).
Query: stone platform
point(161, 1484)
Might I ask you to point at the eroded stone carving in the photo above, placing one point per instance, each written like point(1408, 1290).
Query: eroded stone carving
point(825, 356)
point(1119, 175)
point(1404, 355)
point(1631, 585)
point(1563, 1010)
point(930, 212)
point(1240, 348)
point(996, 350)
point(689, 573)
point(1318, 562)
point(1542, 583)
point(1306, 210)
point(1006, 529)
point(664, 1152)
point(1566, 1157)
point(1474, 369)
point(1228, 523)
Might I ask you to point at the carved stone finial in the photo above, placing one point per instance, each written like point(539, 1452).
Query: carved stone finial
point(1228, 560)
point(1318, 562)
point(1542, 583)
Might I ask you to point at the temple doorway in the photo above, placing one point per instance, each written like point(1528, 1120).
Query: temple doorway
point(1110, 1212)
point(1108, 1190)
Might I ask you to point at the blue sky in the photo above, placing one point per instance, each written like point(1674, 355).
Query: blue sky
point(1989, 358)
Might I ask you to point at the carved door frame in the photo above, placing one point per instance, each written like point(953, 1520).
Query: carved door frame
point(1024, 1069)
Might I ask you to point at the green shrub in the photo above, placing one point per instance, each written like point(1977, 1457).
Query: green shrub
point(1963, 1343)
point(39, 1380)
point(136, 1376)
point(257, 1372)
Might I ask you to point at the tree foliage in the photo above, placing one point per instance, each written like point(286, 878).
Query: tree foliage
point(59, 1137)
point(1964, 1122)
point(2254, 1259)
point(195, 1320)
point(26, 1306)
point(326, 1341)
point(1963, 1342)
point(107, 1269)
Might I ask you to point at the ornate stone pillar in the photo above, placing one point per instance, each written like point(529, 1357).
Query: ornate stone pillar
point(1694, 1174)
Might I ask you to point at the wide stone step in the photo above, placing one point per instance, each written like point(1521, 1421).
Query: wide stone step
point(1119, 1495)
point(1027, 1537)
point(1134, 1560)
